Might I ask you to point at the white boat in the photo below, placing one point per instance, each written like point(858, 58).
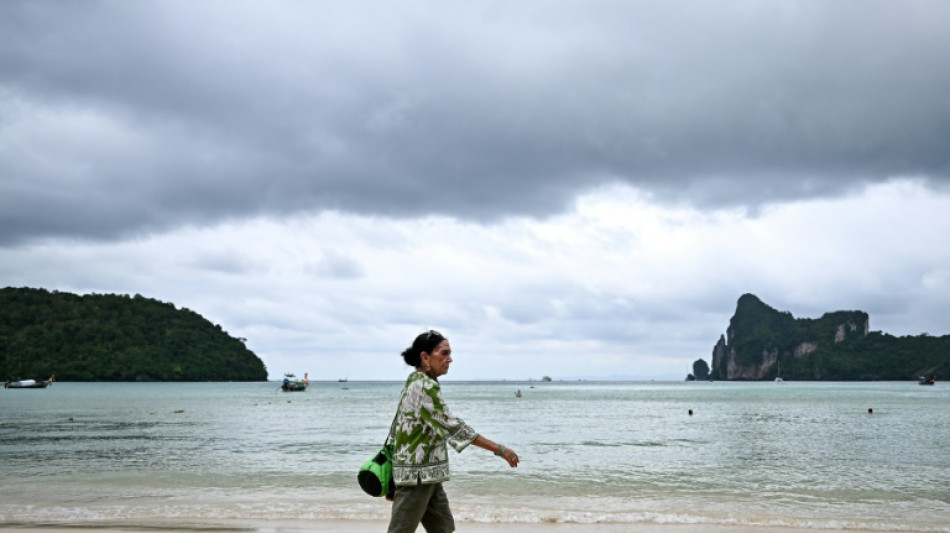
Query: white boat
point(29, 384)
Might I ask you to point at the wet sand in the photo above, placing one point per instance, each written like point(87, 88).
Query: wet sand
point(465, 527)
point(354, 526)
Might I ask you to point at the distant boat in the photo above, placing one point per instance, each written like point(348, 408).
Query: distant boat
point(29, 384)
point(343, 380)
point(779, 380)
point(924, 380)
point(292, 384)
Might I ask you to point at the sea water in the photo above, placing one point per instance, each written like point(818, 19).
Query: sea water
point(807, 455)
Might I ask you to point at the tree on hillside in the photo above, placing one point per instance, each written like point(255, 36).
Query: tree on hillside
point(109, 337)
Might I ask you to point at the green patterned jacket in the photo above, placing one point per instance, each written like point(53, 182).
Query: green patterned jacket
point(422, 428)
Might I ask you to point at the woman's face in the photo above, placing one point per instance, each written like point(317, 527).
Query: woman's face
point(439, 360)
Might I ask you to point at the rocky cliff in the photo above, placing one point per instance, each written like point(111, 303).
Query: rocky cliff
point(762, 343)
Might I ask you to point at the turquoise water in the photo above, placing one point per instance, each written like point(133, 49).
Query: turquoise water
point(804, 455)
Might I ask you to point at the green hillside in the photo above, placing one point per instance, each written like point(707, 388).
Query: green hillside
point(764, 343)
point(109, 337)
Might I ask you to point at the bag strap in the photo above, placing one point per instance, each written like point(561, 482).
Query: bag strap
point(390, 432)
point(393, 424)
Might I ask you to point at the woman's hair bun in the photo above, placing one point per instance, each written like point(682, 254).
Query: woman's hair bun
point(424, 342)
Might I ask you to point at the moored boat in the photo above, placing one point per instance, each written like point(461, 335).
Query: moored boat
point(924, 380)
point(29, 383)
point(292, 384)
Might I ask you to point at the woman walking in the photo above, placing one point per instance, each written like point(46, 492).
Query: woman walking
point(424, 425)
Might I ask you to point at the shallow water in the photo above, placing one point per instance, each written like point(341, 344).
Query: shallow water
point(804, 455)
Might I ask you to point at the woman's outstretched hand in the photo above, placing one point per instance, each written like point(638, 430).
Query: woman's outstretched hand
point(510, 456)
point(500, 450)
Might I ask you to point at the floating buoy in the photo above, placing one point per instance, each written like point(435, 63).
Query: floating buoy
point(870, 411)
point(690, 412)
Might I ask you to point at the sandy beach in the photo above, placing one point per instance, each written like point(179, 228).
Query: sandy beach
point(354, 526)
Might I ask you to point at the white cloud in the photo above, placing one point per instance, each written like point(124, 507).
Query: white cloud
point(617, 286)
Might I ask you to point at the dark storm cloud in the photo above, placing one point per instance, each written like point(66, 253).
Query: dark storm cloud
point(119, 117)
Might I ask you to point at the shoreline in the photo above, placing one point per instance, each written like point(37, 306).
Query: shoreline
point(361, 526)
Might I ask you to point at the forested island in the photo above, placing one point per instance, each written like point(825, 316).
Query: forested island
point(110, 337)
point(762, 343)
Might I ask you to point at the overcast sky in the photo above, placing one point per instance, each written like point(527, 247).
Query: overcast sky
point(563, 188)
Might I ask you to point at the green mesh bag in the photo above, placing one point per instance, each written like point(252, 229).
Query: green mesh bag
point(376, 475)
